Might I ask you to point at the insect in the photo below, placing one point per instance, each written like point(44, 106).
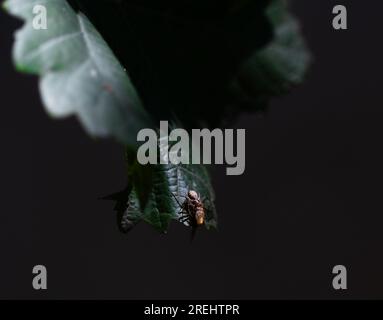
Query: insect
point(192, 211)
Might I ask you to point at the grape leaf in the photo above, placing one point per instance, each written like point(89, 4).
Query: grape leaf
point(166, 55)
point(279, 66)
point(79, 73)
point(161, 207)
point(155, 193)
point(182, 54)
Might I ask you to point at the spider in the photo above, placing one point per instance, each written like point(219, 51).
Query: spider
point(192, 210)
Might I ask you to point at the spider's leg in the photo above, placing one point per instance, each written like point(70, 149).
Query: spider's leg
point(176, 199)
point(186, 222)
point(184, 216)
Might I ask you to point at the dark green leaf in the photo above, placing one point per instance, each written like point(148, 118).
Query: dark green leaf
point(182, 54)
point(153, 190)
point(79, 73)
point(182, 57)
point(281, 64)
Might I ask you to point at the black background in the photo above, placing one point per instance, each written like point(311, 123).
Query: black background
point(310, 198)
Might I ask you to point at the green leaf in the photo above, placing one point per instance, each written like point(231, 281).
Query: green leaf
point(182, 55)
point(182, 64)
point(153, 190)
point(79, 73)
point(280, 65)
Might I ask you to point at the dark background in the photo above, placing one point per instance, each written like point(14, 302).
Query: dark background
point(310, 198)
